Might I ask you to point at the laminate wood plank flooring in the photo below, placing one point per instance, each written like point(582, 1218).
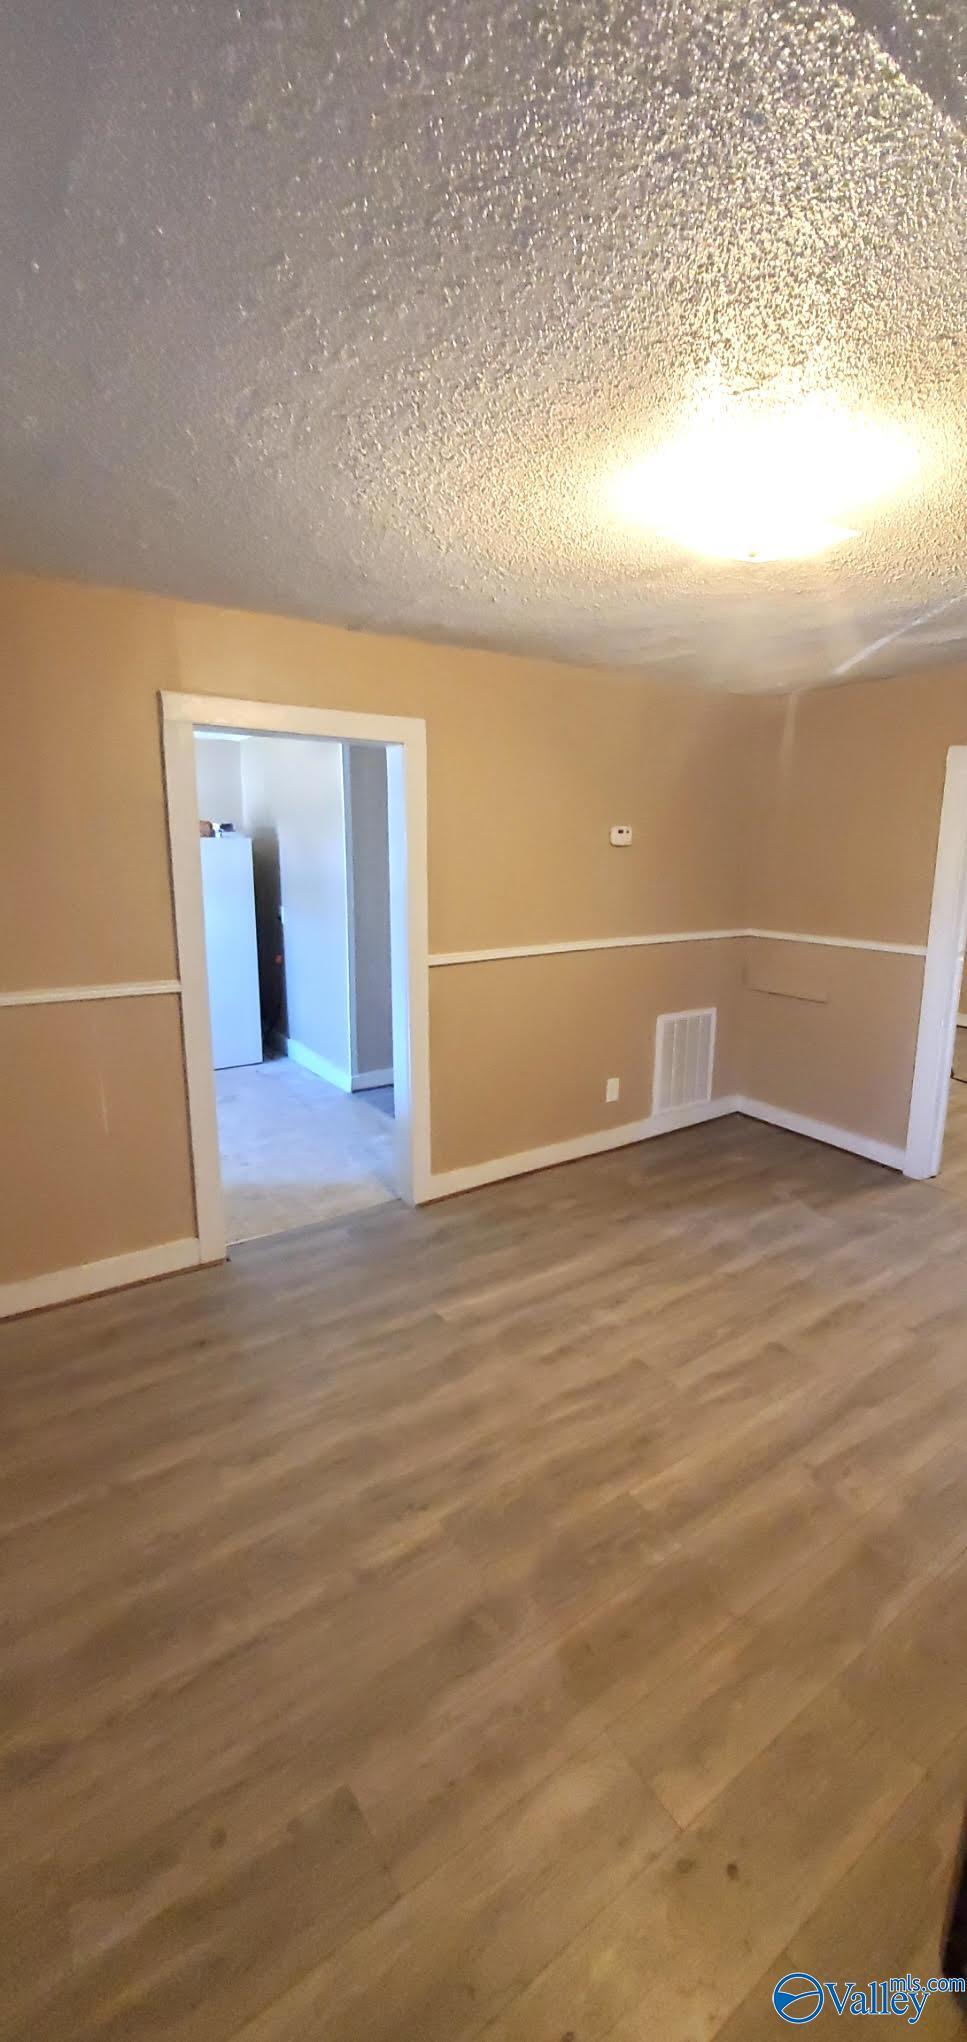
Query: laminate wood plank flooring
point(539, 1616)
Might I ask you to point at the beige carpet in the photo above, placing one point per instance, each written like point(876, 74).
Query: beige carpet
point(295, 1150)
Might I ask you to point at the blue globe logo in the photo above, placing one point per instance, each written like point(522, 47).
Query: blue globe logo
point(798, 1998)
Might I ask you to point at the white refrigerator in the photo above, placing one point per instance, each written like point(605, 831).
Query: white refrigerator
point(230, 950)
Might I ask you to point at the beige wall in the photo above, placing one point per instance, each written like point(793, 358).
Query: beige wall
point(532, 1047)
point(92, 1133)
point(841, 839)
point(816, 815)
point(529, 763)
point(846, 1059)
point(82, 817)
point(850, 780)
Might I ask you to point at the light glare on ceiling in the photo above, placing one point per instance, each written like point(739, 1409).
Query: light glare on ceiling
point(772, 475)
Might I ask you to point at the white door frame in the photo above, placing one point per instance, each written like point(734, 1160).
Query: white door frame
point(942, 972)
point(405, 740)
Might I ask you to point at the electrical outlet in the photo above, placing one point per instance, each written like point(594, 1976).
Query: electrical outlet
point(611, 1091)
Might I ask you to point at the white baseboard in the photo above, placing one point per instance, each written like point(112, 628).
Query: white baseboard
point(59, 1286)
point(820, 1131)
point(367, 1081)
point(443, 1183)
point(311, 1061)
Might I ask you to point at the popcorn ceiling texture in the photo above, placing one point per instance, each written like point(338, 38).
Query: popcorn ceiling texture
point(346, 311)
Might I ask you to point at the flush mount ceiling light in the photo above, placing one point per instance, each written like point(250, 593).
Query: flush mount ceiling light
point(774, 474)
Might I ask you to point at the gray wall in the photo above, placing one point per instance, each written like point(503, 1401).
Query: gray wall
point(218, 777)
point(371, 1006)
point(294, 810)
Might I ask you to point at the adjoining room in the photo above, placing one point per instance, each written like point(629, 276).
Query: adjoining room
point(295, 880)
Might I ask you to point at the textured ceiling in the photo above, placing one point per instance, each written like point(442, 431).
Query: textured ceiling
point(346, 310)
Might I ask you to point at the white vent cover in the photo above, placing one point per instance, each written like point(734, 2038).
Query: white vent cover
point(684, 1059)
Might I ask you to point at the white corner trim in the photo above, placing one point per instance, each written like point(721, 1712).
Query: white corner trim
point(181, 798)
point(821, 1131)
point(445, 957)
point(62, 996)
point(299, 1053)
point(942, 975)
point(444, 1183)
point(367, 1081)
point(60, 1286)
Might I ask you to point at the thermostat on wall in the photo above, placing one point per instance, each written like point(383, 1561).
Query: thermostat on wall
point(620, 833)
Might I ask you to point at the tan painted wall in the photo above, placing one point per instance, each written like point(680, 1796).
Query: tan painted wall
point(533, 1046)
point(846, 1060)
point(850, 783)
point(817, 815)
point(528, 762)
point(82, 819)
point(842, 840)
point(92, 1133)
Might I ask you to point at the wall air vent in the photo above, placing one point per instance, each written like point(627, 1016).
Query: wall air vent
point(684, 1059)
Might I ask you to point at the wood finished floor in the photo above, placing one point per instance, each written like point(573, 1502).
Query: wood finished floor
point(537, 1617)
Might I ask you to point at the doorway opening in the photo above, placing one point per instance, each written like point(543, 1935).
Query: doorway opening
point(298, 851)
point(294, 848)
point(953, 1157)
point(938, 1103)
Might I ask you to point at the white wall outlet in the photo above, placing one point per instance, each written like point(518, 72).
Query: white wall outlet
point(612, 1091)
point(621, 833)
